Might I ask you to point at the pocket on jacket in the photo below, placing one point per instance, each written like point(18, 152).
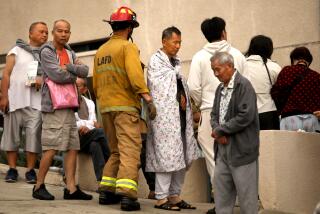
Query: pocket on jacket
point(246, 145)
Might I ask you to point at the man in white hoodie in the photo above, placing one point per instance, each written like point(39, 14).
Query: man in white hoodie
point(202, 82)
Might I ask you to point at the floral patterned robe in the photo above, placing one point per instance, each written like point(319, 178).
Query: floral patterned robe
point(166, 151)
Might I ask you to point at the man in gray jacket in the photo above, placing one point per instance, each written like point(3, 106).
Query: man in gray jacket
point(59, 129)
point(235, 127)
point(202, 83)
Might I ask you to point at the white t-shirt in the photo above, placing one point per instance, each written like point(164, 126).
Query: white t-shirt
point(20, 95)
point(92, 115)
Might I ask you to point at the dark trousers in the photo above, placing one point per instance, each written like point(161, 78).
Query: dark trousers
point(96, 144)
point(269, 121)
point(149, 176)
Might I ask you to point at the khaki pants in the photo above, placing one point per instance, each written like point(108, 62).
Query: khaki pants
point(120, 174)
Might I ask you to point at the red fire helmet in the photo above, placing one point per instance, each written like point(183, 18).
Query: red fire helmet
point(123, 14)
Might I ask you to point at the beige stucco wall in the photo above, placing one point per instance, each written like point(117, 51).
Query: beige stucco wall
point(195, 188)
point(289, 171)
point(288, 22)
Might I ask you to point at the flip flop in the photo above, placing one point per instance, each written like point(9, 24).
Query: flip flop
point(167, 206)
point(184, 205)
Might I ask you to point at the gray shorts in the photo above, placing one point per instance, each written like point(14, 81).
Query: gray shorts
point(27, 119)
point(59, 131)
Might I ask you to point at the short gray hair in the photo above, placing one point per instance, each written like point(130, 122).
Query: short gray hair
point(61, 20)
point(223, 58)
point(34, 24)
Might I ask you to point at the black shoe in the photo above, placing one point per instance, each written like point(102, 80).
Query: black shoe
point(128, 204)
point(77, 195)
point(31, 177)
point(42, 193)
point(212, 211)
point(12, 175)
point(106, 198)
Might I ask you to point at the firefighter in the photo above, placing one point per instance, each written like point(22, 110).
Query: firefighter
point(119, 85)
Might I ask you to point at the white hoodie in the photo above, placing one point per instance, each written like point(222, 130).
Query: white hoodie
point(201, 81)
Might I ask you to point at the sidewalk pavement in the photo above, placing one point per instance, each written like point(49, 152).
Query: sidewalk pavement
point(17, 198)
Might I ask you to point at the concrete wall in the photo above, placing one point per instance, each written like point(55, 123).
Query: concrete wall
point(288, 23)
point(195, 188)
point(289, 171)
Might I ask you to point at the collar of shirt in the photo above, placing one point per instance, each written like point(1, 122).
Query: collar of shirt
point(230, 84)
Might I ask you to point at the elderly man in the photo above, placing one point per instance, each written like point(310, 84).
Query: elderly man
point(92, 138)
point(59, 129)
point(171, 146)
point(202, 83)
point(235, 127)
point(21, 101)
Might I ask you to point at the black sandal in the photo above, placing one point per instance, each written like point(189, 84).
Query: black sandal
point(167, 206)
point(184, 205)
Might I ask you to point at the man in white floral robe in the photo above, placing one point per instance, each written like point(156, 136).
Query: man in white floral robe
point(171, 145)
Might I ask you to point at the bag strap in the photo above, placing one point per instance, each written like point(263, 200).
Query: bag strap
point(298, 79)
point(265, 64)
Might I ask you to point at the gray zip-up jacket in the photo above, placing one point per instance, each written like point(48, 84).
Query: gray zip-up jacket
point(242, 122)
point(52, 69)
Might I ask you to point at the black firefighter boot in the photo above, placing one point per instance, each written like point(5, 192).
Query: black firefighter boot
point(129, 204)
point(106, 198)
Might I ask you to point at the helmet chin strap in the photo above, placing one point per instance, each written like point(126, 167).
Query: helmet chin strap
point(129, 37)
point(130, 34)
